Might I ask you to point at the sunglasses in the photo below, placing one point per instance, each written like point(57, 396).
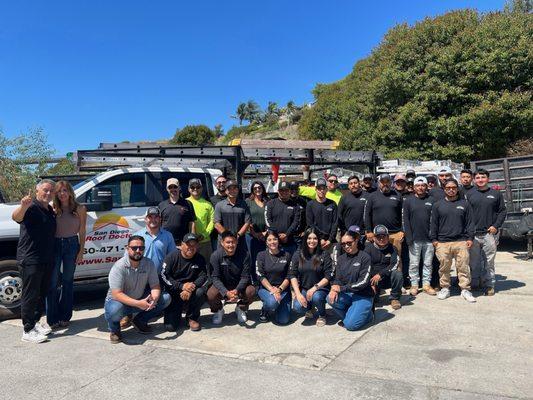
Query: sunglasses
point(347, 244)
point(450, 188)
point(195, 187)
point(333, 181)
point(173, 187)
point(221, 182)
point(381, 236)
point(257, 187)
point(137, 248)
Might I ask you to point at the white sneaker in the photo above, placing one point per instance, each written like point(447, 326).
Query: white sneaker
point(467, 295)
point(444, 293)
point(241, 315)
point(43, 328)
point(217, 317)
point(33, 336)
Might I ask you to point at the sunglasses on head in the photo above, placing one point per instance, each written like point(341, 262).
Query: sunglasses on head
point(137, 248)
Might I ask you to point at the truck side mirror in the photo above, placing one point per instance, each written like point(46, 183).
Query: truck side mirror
point(102, 200)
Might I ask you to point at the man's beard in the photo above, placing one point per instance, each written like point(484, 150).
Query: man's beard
point(136, 257)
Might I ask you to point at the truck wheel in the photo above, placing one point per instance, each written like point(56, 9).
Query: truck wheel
point(10, 290)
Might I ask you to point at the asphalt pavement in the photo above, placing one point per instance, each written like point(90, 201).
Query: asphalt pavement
point(429, 349)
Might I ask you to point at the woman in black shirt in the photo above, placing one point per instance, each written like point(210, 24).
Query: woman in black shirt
point(272, 267)
point(255, 238)
point(310, 274)
point(351, 295)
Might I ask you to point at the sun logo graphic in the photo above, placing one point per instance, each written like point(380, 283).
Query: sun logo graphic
point(110, 219)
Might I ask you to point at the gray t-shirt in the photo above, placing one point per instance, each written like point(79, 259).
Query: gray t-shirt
point(232, 217)
point(132, 281)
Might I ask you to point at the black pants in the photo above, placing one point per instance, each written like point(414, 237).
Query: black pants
point(405, 265)
point(394, 282)
point(35, 283)
point(174, 310)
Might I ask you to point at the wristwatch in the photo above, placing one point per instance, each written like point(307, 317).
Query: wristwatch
point(316, 286)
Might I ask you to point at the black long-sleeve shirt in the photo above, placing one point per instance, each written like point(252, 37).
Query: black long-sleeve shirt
point(284, 217)
point(352, 210)
point(437, 193)
point(323, 216)
point(310, 271)
point(301, 202)
point(352, 273)
point(416, 216)
point(489, 208)
point(384, 260)
point(465, 190)
point(272, 267)
point(384, 209)
point(452, 221)
point(230, 272)
point(177, 270)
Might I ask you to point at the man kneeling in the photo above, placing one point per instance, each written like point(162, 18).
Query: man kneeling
point(184, 274)
point(230, 272)
point(133, 289)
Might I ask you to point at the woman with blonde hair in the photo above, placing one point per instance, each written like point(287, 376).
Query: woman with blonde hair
point(69, 245)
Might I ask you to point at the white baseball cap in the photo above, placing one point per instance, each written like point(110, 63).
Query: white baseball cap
point(420, 180)
point(445, 170)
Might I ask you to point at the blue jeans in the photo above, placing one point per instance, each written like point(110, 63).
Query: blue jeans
point(114, 311)
point(318, 301)
point(281, 310)
point(60, 297)
point(354, 310)
point(417, 251)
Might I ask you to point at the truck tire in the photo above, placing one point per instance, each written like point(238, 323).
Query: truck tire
point(10, 290)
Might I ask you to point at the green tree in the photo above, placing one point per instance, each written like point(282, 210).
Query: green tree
point(218, 131)
point(22, 159)
point(253, 112)
point(194, 135)
point(241, 113)
point(456, 86)
point(63, 167)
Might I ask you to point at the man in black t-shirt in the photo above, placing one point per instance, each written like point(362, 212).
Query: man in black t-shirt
point(177, 214)
point(185, 276)
point(35, 257)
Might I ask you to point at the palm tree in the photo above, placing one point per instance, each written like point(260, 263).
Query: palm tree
point(253, 111)
point(242, 113)
point(272, 108)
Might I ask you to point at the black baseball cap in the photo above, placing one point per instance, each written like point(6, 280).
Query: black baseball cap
point(410, 172)
point(153, 211)
point(294, 185)
point(195, 181)
point(380, 230)
point(284, 185)
point(385, 177)
point(189, 236)
point(368, 176)
point(231, 183)
point(321, 182)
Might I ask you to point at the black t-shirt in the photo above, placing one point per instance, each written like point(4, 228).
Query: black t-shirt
point(272, 267)
point(177, 270)
point(176, 218)
point(37, 234)
point(310, 271)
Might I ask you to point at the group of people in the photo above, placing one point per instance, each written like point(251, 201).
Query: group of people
point(308, 246)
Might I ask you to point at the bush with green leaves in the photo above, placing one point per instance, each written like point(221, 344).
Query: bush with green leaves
point(457, 86)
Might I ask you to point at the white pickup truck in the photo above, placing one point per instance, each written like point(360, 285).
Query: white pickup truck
point(116, 202)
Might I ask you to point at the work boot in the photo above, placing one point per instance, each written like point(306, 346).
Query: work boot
point(490, 291)
point(194, 325)
point(429, 290)
point(115, 337)
point(125, 322)
point(395, 304)
point(413, 291)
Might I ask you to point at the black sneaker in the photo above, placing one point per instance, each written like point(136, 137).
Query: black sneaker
point(171, 328)
point(141, 327)
point(263, 317)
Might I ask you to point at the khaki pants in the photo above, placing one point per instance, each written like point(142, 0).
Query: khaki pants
point(396, 240)
point(446, 252)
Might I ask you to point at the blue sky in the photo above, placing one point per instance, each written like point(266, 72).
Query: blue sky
point(107, 71)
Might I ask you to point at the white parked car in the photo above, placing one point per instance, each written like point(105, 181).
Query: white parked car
point(116, 202)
